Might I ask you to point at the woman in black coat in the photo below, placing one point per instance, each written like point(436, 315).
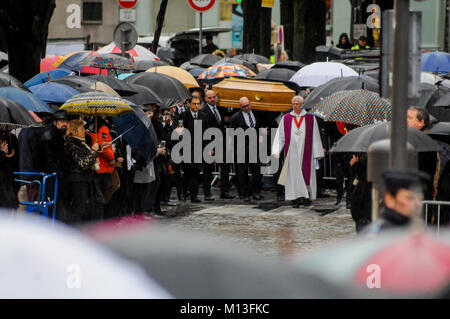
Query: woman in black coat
point(8, 194)
point(80, 159)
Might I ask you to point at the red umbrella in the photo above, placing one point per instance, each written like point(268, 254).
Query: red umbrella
point(420, 262)
point(399, 262)
point(47, 63)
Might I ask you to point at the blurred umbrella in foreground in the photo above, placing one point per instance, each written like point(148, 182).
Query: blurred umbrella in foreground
point(407, 262)
point(209, 267)
point(45, 261)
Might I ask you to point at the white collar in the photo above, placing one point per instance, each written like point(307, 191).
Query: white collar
point(303, 112)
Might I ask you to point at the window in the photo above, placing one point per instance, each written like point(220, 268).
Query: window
point(92, 12)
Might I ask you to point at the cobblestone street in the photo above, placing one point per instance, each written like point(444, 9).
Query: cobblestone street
point(280, 231)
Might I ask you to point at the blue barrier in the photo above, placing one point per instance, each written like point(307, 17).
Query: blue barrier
point(41, 206)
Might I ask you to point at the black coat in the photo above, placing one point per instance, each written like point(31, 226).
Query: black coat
point(29, 148)
point(79, 160)
point(188, 123)
point(51, 151)
point(238, 121)
point(210, 118)
point(8, 196)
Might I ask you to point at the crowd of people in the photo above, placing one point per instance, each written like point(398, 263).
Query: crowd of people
point(100, 179)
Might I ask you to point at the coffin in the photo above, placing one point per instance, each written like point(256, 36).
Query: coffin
point(264, 95)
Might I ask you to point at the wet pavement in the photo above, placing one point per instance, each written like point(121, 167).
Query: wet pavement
point(269, 230)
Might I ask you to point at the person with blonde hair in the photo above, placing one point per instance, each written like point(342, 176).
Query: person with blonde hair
point(80, 161)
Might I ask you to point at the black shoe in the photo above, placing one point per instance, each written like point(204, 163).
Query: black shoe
point(301, 200)
point(209, 198)
point(280, 197)
point(307, 202)
point(348, 204)
point(338, 200)
point(226, 195)
point(295, 203)
point(159, 212)
point(247, 199)
point(256, 197)
point(195, 200)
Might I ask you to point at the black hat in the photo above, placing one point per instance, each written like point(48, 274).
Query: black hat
point(61, 115)
point(362, 38)
point(395, 179)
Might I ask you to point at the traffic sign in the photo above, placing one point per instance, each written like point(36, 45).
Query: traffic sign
point(201, 5)
point(127, 4)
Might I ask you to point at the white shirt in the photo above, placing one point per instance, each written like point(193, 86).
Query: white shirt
point(194, 115)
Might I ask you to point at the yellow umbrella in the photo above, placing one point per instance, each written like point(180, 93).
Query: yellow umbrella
point(65, 57)
point(181, 75)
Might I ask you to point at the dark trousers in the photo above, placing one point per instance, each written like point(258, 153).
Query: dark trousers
point(79, 202)
point(192, 177)
point(247, 186)
point(174, 179)
point(208, 170)
point(140, 195)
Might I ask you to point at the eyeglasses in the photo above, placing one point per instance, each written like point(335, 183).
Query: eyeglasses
point(245, 106)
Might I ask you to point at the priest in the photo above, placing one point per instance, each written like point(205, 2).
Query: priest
point(298, 134)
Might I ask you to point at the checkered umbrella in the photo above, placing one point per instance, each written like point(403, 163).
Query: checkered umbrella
point(360, 107)
point(108, 61)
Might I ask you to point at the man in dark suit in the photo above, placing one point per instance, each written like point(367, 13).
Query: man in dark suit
point(192, 169)
point(215, 119)
point(246, 119)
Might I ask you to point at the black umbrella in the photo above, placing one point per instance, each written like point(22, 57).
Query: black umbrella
point(251, 66)
point(292, 65)
point(359, 139)
point(143, 96)
point(13, 115)
point(253, 58)
point(9, 80)
point(170, 90)
point(188, 66)
point(440, 109)
point(79, 83)
point(340, 84)
point(192, 265)
point(440, 128)
point(429, 94)
point(121, 87)
point(144, 65)
point(205, 60)
point(277, 75)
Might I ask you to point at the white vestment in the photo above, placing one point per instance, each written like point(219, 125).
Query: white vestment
point(295, 185)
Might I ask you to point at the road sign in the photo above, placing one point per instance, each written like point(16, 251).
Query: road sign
point(125, 36)
point(201, 5)
point(127, 15)
point(127, 4)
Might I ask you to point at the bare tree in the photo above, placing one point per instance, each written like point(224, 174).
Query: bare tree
point(309, 28)
point(25, 25)
point(257, 27)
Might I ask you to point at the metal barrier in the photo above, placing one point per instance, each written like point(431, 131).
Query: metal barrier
point(41, 204)
point(438, 203)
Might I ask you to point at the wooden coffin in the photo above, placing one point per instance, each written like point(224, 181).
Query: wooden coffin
point(264, 95)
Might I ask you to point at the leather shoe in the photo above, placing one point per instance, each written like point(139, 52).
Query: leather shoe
point(182, 197)
point(159, 212)
point(338, 200)
point(209, 197)
point(280, 197)
point(226, 195)
point(307, 202)
point(257, 197)
point(295, 203)
point(247, 199)
point(195, 200)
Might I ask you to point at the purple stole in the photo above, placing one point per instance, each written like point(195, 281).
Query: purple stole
point(307, 151)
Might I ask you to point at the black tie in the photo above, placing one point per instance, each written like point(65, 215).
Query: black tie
point(195, 116)
point(216, 115)
point(252, 124)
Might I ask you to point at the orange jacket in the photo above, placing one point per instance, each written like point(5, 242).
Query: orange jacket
point(105, 157)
